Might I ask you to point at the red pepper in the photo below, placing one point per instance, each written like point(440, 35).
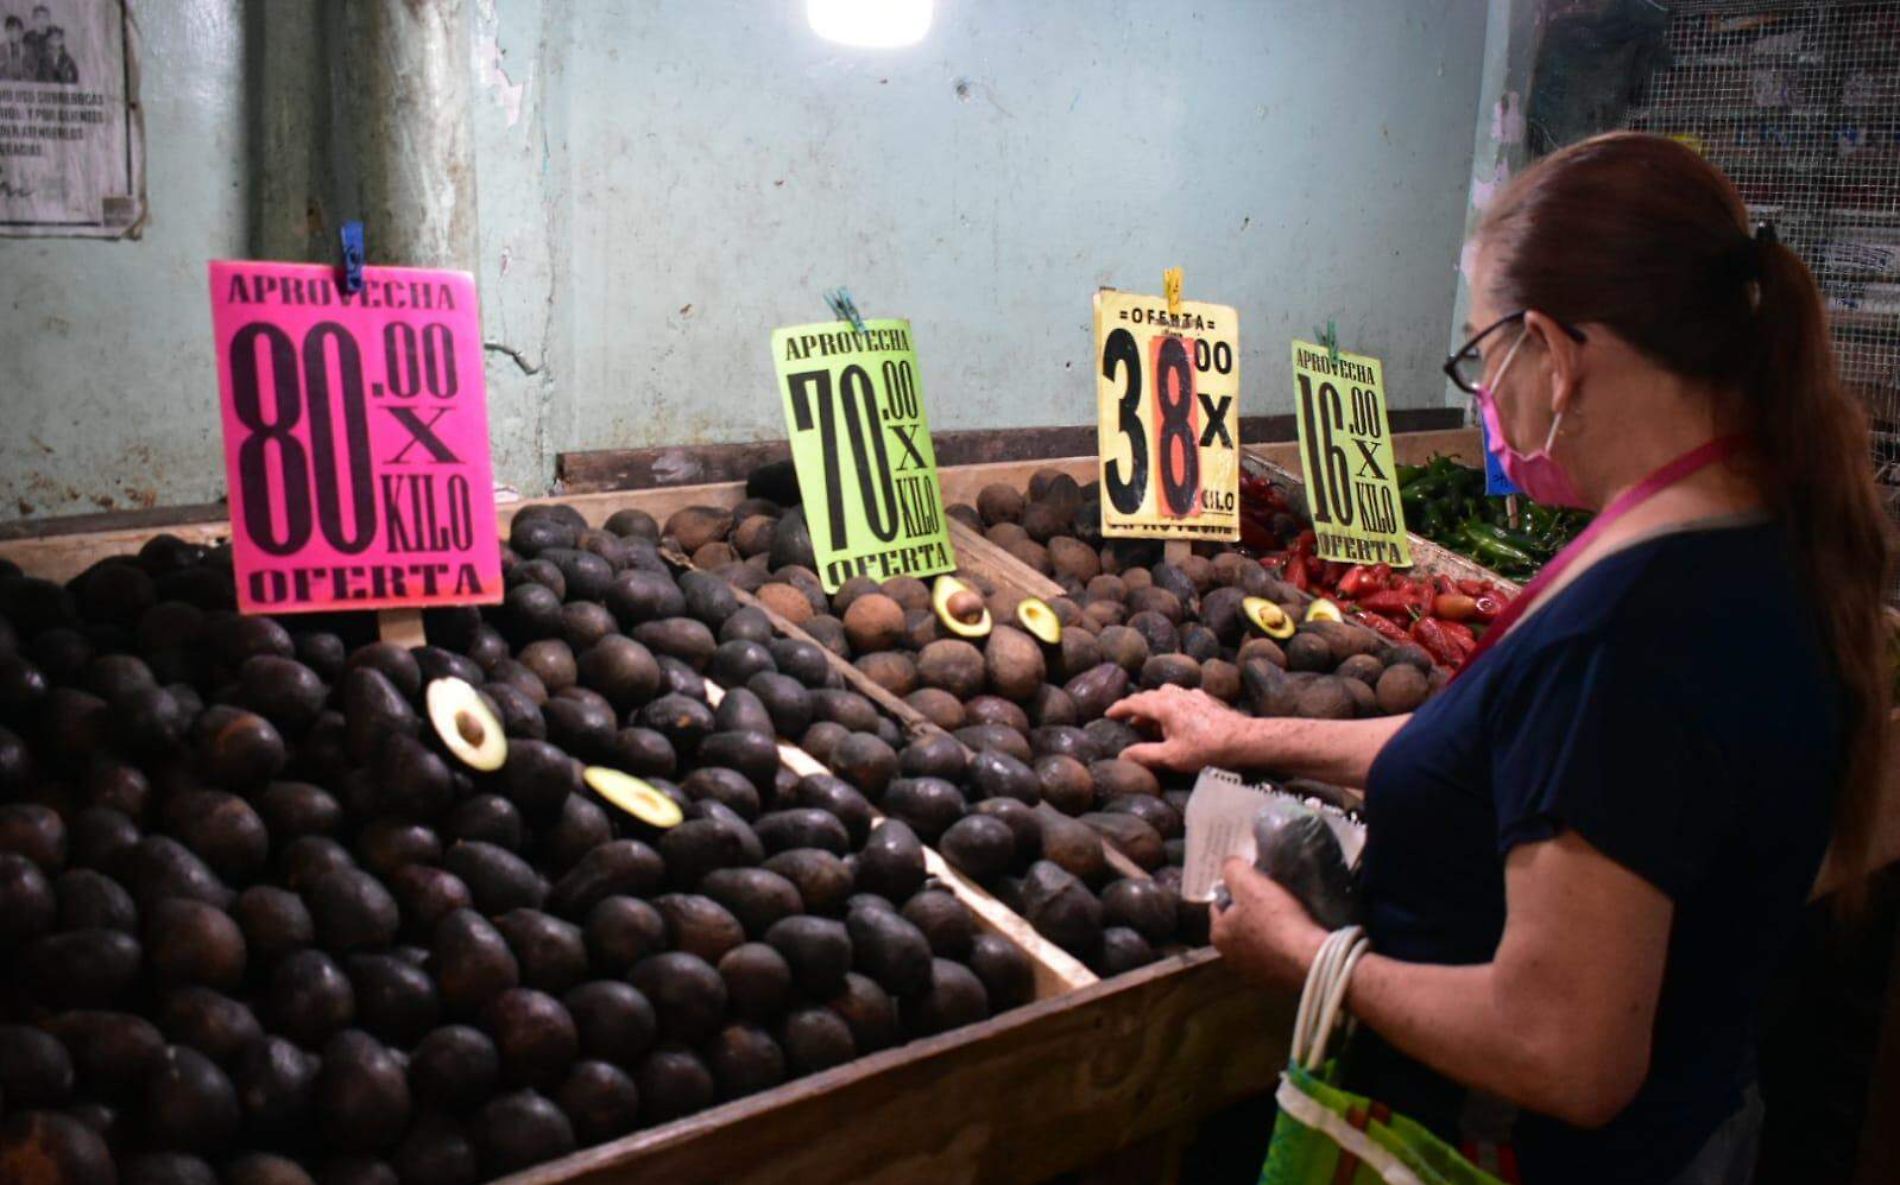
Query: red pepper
point(1392, 602)
point(1382, 575)
point(1472, 588)
point(1296, 574)
point(1486, 607)
point(1461, 635)
point(1334, 573)
point(1429, 633)
point(1383, 626)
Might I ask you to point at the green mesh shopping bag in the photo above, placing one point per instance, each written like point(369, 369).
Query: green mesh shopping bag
point(1328, 1136)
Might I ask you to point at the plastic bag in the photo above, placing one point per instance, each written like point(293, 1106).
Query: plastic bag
point(1298, 848)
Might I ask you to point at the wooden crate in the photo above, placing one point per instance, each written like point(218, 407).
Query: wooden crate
point(1091, 1070)
point(1088, 1070)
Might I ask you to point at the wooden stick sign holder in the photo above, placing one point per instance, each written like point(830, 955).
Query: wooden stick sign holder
point(403, 626)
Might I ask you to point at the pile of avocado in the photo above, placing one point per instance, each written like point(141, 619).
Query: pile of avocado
point(1020, 782)
point(281, 903)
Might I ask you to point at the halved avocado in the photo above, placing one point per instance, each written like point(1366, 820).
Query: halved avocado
point(960, 608)
point(1036, 616)
point(466, 724)
point(1267, 617)
point(633, 796)
point(1324, 610)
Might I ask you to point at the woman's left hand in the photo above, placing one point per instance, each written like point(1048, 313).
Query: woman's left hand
point(1266, 934)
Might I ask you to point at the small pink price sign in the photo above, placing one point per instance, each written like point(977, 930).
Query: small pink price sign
point(355, 438)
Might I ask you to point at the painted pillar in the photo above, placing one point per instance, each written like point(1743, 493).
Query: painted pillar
point(287, 97)
point(405, 134)
point(1512, 31)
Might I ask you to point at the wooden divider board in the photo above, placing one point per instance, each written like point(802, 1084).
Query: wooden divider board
point(1056, 970)
point(1014, 1100)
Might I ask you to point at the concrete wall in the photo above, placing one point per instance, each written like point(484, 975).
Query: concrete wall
point(108, 399)
point(663, 181)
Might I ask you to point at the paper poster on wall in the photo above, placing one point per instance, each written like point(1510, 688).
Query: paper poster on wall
point(71, 139)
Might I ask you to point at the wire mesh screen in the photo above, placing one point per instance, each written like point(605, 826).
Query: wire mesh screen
point(1800, 105)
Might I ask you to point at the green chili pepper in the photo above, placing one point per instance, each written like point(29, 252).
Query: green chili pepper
point(1489, 542)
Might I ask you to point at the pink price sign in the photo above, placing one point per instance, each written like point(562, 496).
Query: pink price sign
point(355, 438)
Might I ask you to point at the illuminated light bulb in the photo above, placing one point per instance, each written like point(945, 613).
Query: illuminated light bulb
point(870, 24)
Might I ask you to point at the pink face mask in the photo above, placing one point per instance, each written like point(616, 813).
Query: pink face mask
point(1538, 473)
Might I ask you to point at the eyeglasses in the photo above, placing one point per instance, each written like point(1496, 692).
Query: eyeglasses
point(1466, 367)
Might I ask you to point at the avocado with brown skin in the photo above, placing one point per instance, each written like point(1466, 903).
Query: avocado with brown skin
point(728, 787)
point(1062, 909)
point(744, 1060)
point(78, 969)
point(106, 1054)
point(946, 922)
point(751, 753)
point(699, 925)
point(551, 953)
point(1073, 846)
point(956, 997)
point(581, 828)
point(54, 1149)
point(1147, 907)
point(1157, 812)
point(758, 981)
point(208, 1021)
point(619, 932)
point(803, 827)
point(309, 998)
point(93, 900)
point(866, 762)
point(424, 895)
point(613, 1021)
point(534, 1037)
point(190, 942)
point(1008, 976)
point(687, 994)
point(738, 660)
point(619, 866)
point(928, 805)
point(353, 911)
point(189, 1104)
point(823, 880)
point(471, 962)
point(891, 949)
point(396, 1001)
point(454, 1068)
point(818, 951)
point(516, 1130)
point(996, 774)
point(815, 1039)
point(674, 1082)
point(756, 897)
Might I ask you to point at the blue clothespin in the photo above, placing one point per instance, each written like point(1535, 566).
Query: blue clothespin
point(352, 236)
point(1329, 339)
point(838, 300)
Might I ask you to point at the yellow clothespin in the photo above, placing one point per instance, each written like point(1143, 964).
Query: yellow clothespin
point(1171, 288)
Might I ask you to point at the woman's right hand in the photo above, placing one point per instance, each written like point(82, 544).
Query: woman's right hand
point(1197, 730)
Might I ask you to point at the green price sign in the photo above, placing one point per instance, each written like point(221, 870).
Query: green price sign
point(855, 409)
point(1352, 486)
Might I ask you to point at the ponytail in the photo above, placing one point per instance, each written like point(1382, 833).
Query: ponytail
point(1816, 471)
point(1640, 234)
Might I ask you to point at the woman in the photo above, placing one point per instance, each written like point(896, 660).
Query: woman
point(1587, 852)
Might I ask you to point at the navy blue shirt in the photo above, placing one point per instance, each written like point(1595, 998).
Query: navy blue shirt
point(1676, 707)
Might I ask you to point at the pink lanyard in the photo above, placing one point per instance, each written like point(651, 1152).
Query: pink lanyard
point(1693, 461)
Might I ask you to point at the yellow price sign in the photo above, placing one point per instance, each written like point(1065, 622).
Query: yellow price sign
point(1352, 485)
point(1167, 397)
point(861, 446)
